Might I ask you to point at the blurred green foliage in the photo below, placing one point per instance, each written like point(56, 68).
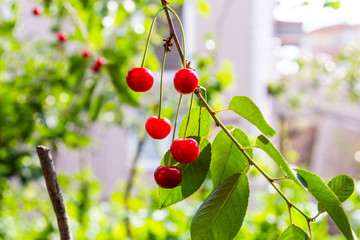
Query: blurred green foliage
point(25, 211)
point(48, 93)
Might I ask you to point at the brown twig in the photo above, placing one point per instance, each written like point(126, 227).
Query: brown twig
point(173, 34)
point(47, 166)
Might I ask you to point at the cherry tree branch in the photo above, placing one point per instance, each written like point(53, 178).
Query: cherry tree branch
point(52, 185)
point(220, 124)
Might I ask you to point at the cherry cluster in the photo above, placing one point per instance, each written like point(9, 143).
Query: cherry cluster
point(183, 150)
point(62, 37)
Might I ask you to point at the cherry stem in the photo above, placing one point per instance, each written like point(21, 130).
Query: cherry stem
point(161, 81)
point(176, 118)
point(149, 37)
point(182, 33)
point(188, 120)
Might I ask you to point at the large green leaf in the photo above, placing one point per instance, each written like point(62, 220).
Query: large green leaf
point(264, 143)
point(293, 232)
point(327, 198)
point(221, 215)
point(246, 108)
point(199, 117)
point(343, 186)
point(193, 175)
point(227, 159)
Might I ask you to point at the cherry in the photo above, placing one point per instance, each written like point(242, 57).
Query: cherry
point(185, 81)
point(62, 36)
point(140, 79)
point(86, 53)
point(158, 128)
point(99, 62)
point(167, 177)
point(185, 150)
point(37, 11)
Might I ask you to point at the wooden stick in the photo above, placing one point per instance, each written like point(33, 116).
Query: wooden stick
point(47, 166)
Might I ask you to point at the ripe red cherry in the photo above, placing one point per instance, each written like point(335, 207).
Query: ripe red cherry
point(185, 81)
point(140, 79)
point(167, 177)
point(158, 128)
point(37, 11)
point(98, 64)
point(86, 53)
point(185, 150)
point(62, 36)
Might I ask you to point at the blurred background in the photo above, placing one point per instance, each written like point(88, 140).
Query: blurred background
point(299, 61)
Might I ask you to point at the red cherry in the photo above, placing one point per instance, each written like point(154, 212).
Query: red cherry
point(37, 11)
point(167, 177)
point(185, 81)
point(62, 36)
point(99, 62)
point(185, 150)
point(158, 128)
point(86, 53)
point(140, 79)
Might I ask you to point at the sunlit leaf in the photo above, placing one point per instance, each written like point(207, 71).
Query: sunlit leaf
point(293, 232)
point(227, 159)
point(221, 215)
point(247, 109)
point(343, 186)
point(327, 198)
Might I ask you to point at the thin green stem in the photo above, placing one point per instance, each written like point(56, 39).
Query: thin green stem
point(188, 120)
point(251, 161)
point(176, 118)
point(289, 208)
point(279, 178)
point(182, 33)
point(149, 37)
point(161, 82)
point(318, 214)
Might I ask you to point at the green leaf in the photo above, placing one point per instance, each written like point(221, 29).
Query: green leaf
point(343, 186)
point(332, 4)
point(193, 127)
point(293, 232)
point(221, 215)
point(246, 108)
point(227, 159)
point(193, 175)
point(317, 187)
point(263, 143)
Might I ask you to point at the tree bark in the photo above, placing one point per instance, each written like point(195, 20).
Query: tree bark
point(48, 168)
